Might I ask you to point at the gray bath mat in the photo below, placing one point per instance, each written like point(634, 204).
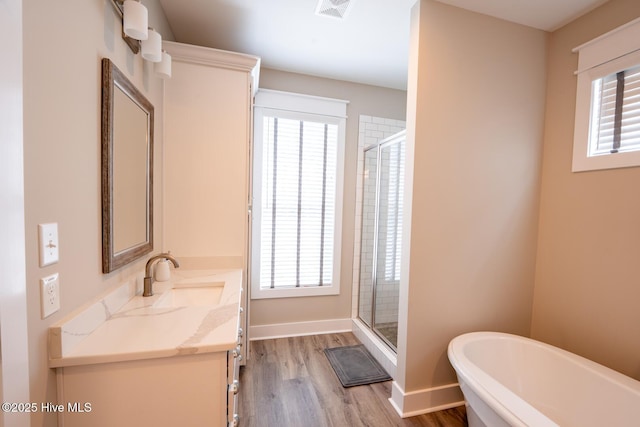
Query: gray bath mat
point(354, 366)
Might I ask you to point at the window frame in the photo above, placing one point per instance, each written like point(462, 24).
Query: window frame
point(272, 103)
point(610, 53)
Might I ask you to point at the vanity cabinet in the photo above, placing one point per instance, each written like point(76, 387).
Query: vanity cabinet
point(126, 360)
point(208, 106)
point(190, 390)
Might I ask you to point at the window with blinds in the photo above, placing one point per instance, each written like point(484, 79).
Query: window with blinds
point(606, 133)
point(298, 170)
point(615, 113)
point(298, 209)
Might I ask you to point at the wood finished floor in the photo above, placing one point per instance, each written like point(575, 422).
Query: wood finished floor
point(288, 382)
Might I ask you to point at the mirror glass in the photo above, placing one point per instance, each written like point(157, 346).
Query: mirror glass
point(127, 170)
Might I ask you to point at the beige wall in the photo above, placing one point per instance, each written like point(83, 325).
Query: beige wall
point(587, 288)
point(64, 43)
point(475, 121)
point(363, 99)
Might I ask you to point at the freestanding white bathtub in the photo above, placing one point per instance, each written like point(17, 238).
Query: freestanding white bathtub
point(508, 380)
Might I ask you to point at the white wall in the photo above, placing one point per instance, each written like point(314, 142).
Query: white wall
point(64, 43)
point(14, 367)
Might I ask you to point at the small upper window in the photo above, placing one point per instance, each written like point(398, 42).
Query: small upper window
point(607, 125)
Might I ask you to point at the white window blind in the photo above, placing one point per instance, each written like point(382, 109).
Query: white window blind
point(298, 169)
point(298, 209)
point(394, 203)
point(615, 113)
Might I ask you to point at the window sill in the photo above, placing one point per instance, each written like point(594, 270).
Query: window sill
point(583, 163)
point(294, 292)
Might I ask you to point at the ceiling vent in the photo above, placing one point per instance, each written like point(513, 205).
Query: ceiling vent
point(333, 8)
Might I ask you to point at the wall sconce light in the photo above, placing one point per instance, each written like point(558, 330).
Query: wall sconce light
point(163, 68)
point(140, 37)
point(152, 46)
point(135, 19)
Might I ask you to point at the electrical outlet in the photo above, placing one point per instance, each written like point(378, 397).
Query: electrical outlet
point(49, 295)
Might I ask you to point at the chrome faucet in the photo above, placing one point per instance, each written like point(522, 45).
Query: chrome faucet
point(148, 276)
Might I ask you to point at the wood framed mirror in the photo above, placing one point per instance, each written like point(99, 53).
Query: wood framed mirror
point(127, 170)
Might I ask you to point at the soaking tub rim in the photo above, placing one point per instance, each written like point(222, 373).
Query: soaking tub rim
point(456, 346)
point(494, 393)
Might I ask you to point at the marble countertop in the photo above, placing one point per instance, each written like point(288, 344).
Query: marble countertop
point(125, 326)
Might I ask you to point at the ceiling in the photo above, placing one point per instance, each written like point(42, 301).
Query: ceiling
point(370, 45)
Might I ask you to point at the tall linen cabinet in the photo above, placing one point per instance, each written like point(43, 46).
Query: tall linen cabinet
point(208, 105)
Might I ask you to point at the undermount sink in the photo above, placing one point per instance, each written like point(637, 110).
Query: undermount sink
point(201, 295)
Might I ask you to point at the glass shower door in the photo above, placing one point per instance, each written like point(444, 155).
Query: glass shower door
point(381, 237)
point(389, 240)
point(368, 236)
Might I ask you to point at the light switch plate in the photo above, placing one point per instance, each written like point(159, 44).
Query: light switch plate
point(49, 295)
point(48, 238)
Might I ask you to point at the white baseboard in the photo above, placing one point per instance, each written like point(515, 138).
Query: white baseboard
point(426, 400)
point(281, 330)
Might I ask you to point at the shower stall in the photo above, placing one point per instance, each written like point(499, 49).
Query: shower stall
point(381, 234)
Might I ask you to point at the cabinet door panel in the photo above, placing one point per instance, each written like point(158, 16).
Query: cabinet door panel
point(206, 142)
point(187, 390)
